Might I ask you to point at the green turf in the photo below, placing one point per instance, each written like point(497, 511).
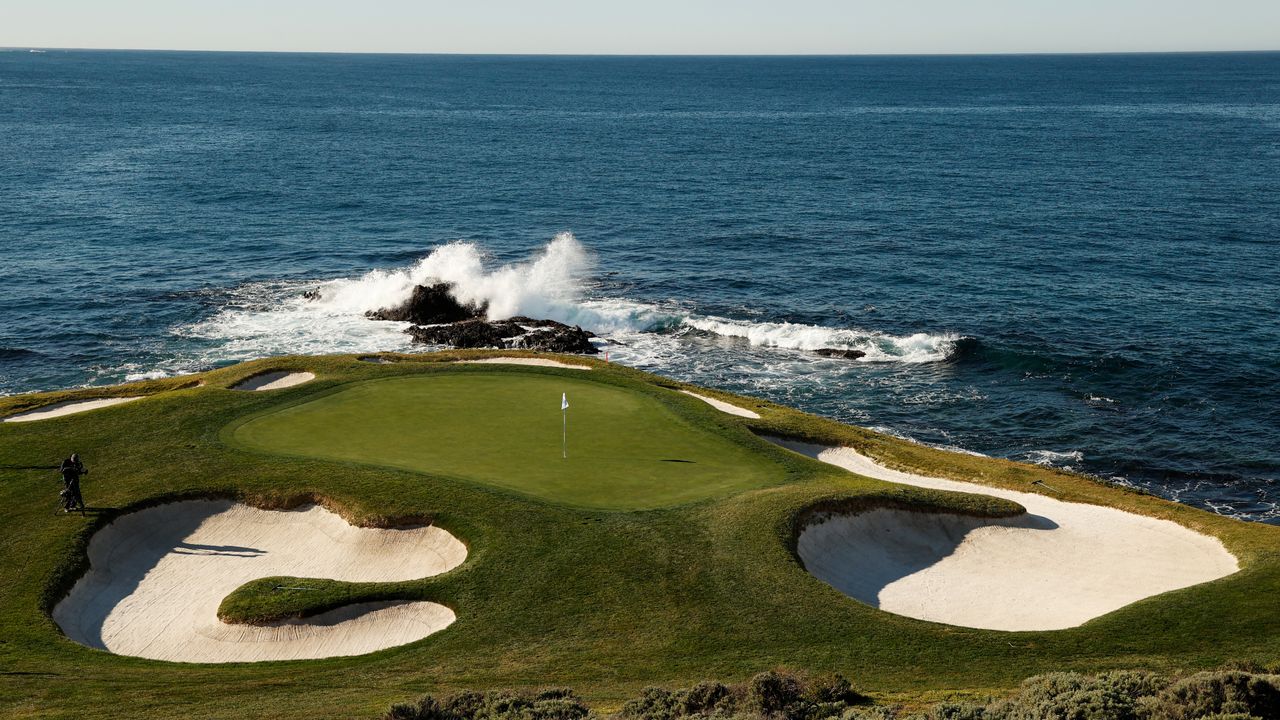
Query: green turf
point(277, 598)
point(554, 593)
point(625, 450)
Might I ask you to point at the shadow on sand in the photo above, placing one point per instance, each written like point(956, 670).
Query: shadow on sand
point(861, 554)
point(149, 536)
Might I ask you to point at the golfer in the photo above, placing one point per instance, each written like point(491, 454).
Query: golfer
point(72, 469)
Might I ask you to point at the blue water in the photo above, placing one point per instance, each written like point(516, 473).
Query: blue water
point(1067, 260)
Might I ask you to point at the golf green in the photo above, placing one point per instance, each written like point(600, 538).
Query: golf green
point(625, 450)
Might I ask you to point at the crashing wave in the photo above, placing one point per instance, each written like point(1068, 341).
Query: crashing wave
point(275, 318)
point(879, 347)
point(1051, 458)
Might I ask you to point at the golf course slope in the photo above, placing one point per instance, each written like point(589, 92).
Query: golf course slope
point(426, 525)
point(1055, 566)
point(157, 576)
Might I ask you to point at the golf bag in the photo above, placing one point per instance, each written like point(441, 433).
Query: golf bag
point(71, 499)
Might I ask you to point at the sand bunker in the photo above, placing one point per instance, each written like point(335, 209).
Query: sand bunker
point(723, 406)
point(274, 381)
point(157, 577)
point(541, 362)
point(1057, 566)
point(69, 407)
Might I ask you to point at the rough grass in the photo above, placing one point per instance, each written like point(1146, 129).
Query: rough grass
point(606, 601)
point(280, 598)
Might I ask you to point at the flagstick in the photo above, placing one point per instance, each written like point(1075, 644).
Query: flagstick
point(564, 426)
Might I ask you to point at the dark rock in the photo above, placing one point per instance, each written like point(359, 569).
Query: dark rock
point(312, 295)
point(530, 322)
point(533, 323)
point(548, 336)
point(561, 339)
point(509, 328)
point(429, 305)
point(838, 353)
point(466, 334)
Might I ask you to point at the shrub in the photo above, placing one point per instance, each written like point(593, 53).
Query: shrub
point(654, 703)
point(833, 688)
point(1230, 692)
point(557, 704)
point(1134, 683)
point(782, 695)
point(402, 711)
point(552, 704)
point(1069, 696)
point(501, 705)
point(773, 693)
point(425, 709)
point(708, 698)
point(466, 704)
point(956, 711)
point(558, 709)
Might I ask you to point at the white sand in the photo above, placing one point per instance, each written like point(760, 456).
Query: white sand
point(541, 362)
point(723, 406)
point(274, 381)
point(69, 407)
point(157, 577)
point(1057, 566)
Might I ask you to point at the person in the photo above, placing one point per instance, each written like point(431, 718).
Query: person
point(72, 469)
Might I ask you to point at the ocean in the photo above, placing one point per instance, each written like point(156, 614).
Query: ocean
point(1066, 260)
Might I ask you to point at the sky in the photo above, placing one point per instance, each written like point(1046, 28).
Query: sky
point(647, 27)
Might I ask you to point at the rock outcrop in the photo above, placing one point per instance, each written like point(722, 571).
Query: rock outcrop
point(467, 334)
point(439, 319)
point(840, 353)
point(521, 333)
point(558, 338)
point(429, 305)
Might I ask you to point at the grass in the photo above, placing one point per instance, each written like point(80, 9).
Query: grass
point(604, 598)
point(278, 598)
point(629, 450)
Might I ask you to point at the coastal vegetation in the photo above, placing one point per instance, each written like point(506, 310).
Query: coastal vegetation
point(609, 575)
point(783, 695)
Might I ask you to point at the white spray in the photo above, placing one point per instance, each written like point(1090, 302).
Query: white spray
point(549, 285)
point(274, 319)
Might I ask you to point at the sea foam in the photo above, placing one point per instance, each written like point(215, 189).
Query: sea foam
point(553, 283)
point(879, 347)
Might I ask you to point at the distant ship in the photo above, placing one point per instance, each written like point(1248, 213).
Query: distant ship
point(35, 51)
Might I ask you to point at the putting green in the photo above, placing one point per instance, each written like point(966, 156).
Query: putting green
point(626, 450)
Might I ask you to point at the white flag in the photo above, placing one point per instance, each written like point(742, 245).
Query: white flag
point(564, 401)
